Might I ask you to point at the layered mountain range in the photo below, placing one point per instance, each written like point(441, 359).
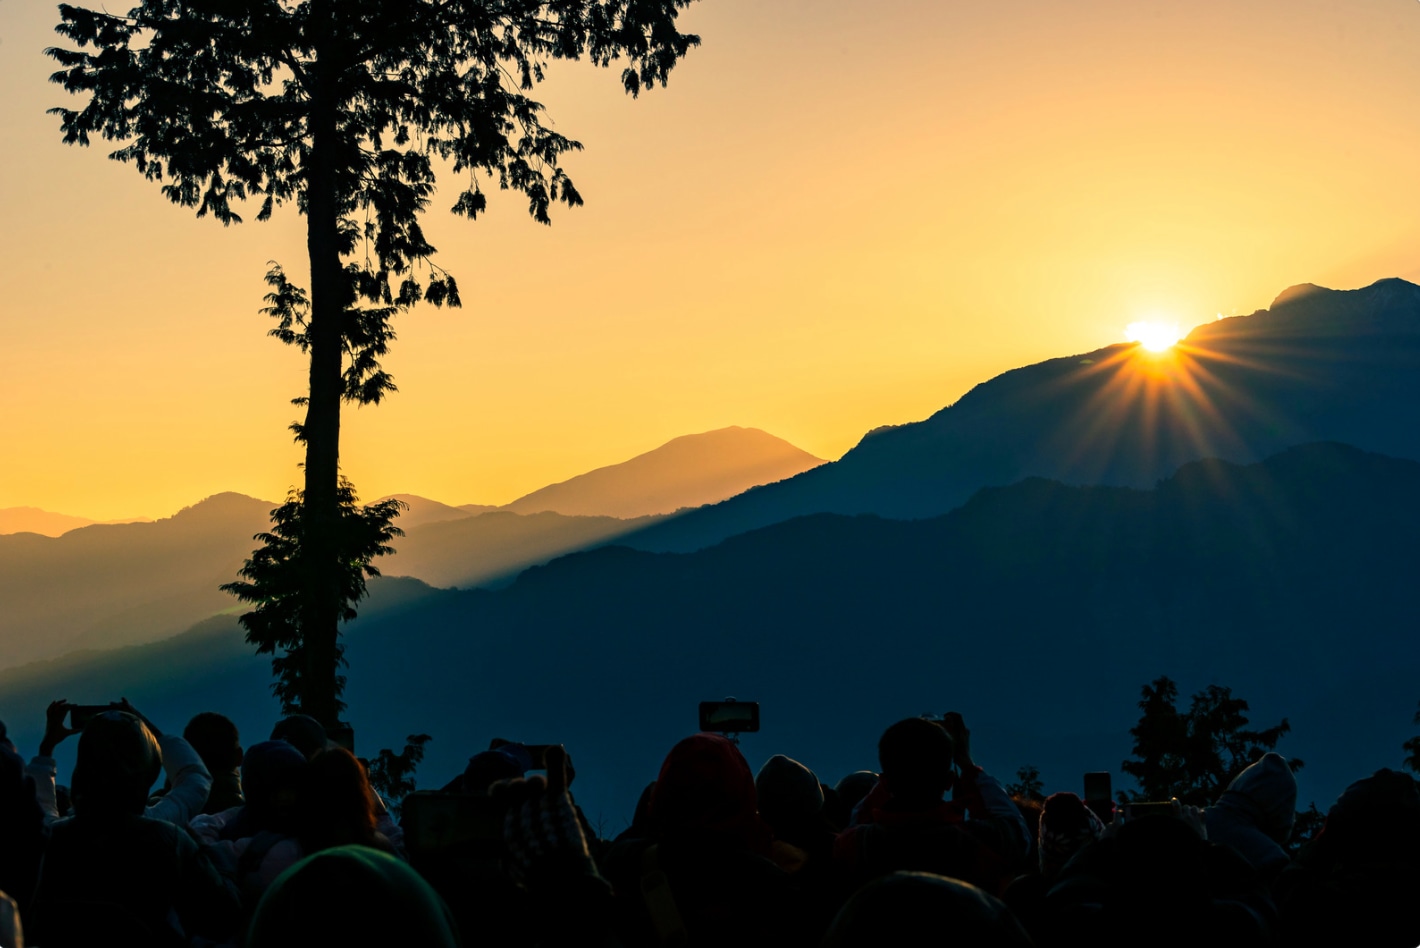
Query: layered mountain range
point(106, 586)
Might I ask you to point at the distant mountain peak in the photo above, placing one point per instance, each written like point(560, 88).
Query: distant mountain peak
point(687, 471)
point(1300, 291)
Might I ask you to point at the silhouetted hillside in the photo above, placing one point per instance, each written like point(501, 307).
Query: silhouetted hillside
point(1036, 609)
point(1320, 365)
point(108, 585)
point(685, 472)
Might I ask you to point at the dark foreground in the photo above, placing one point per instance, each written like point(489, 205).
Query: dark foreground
point(286, 843)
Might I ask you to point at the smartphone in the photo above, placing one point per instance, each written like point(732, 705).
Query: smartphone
point(729, 717)
point(1098, 786)
point(1134, 811)
point(437, 822)
point(81, 714)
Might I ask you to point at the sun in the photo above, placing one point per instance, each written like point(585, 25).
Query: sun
point(1152, 335)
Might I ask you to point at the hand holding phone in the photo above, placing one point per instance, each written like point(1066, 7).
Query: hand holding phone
point(954, 725)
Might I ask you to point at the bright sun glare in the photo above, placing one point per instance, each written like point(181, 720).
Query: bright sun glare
point(1154, 336)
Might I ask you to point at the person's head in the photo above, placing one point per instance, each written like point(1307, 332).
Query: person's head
point(1375, 820)
point(919, 908)
point(117, 764)
point(336, 805)
point(487, 768)
point(5, 741)
point(916, 758)
point(705, 794)
point(302, 732)
point(1267, 793)
point(351, 895)
point(271, 781)
point(1066, 826)
point(787, 791)
point(853, 788)
point(216, 741)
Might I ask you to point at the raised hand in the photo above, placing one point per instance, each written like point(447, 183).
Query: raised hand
point(542, 830)
point(54, 729)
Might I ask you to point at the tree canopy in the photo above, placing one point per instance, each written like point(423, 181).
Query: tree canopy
point(1193, 755)
point(346, 108)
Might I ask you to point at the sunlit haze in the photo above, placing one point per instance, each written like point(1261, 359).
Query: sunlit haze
point(839, 215)
point(1154, 335)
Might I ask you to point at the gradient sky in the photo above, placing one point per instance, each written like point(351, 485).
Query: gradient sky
point(839, 215)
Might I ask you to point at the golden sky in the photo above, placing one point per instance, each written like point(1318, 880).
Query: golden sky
point(839, 215)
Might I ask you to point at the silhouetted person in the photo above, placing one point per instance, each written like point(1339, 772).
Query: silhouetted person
point(906, 825)
point(1065, 827)
point(791, 801)
point(257, 841)
point(113, 876)
point(708, 874)
point(187, 777)
point(1357, 882)
point(336, 807)
point(1156, 880)
point(22, 832)
point(848, 793)
point(217, 742)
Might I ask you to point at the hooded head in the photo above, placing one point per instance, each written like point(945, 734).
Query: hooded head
point(271, 779)
point(919, 908)
point(118, 762)
point(787, 790)
point(351, 895)
point(1066, 827)
point(302, 732)
point(1266, 794)
point(705, 794)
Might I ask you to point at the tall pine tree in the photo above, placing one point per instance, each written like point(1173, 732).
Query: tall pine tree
point(342, 107)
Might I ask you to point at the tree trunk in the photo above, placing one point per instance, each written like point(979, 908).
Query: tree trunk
point(320, 514)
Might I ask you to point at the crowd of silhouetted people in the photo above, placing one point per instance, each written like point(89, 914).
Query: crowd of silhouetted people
point(160, 839)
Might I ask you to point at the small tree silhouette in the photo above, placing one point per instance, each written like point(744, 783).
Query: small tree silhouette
point(392, 775)
point(276, 579)
point(1028, 785)
point(1194, 755)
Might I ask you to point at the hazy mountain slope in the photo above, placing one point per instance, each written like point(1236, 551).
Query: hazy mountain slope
point(1038, 610)
point(1319, 365)
point(116, 584)
point(685, 472)
point(495, 546)
point(422, 510)
point(208, 667)
point(46, 523)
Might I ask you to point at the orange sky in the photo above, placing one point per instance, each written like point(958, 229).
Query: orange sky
point(839, 215)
